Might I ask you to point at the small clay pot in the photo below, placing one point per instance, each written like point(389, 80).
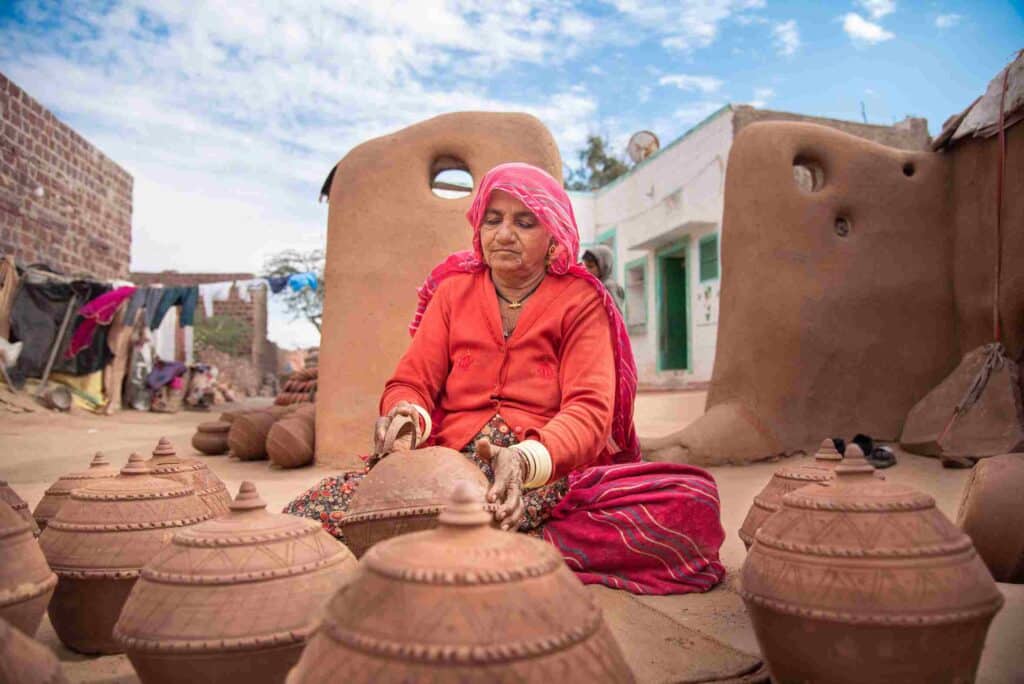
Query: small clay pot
point(59, 491)
point(229, 416)
point(99, 541)
point(992, 515)
point(11, 498)
point(26, 582)
point(247, 438)
point(191, 472)
point(462, 603)
point(291, 440)
point(211, 438)
point(785, 480)
point(858, 579)
point(232, 599)
point(24, 660)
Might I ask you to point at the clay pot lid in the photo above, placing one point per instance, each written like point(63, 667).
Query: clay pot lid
point(99, 468)
point(215, 426)
point(166, 461)
point(134, 482)
point(11, 523)
point(820, 469)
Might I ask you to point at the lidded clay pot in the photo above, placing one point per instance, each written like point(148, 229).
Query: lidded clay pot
point(211, 438)
point(463, 603)
point(191, 472)
point(60, 490)
point(26, 582)
point(785, 480)
point(992, 515)
point(11, 498)
point(291, 440)
point(24, 660)
point(232, 599)
point(98, 542)
point(247, 437)
point(863, 580)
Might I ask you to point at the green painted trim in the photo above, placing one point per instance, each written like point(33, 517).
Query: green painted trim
point(613, 235)
point(641, 263)
point(681, 245)
point(718, 258)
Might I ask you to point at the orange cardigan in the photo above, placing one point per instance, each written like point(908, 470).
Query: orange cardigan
point(553, 380)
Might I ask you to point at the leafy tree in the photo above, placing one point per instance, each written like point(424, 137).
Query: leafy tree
point(598, 166)
point(223, 333)
point(306, 303)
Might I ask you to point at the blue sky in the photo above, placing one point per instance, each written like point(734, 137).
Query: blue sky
point(229, 115)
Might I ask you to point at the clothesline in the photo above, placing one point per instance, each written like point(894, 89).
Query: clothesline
point(221, 290)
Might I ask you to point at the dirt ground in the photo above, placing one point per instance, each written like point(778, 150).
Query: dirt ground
point(681, 638)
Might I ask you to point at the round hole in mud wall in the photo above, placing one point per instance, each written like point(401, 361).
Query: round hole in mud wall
point(808, 174)
point(842, 226)
point(908, 169)
point(450, 178)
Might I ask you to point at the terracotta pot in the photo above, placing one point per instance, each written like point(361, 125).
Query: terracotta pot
point(785, 480)
point(211, 438)
point(992, 515)
point(190, 472)
point(404, 493)
point(26, 582)
point(463, 603)
point(24, 660)
point(862, 580)
point(247, 438)
point(229, 416)
point(291, 440)
point(98, 543)
point(11, 498)
point(232, 599)
point(59, 491)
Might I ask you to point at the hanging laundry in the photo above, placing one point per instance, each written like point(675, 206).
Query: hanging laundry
point(186, 297)
point(245, 287)
point(214, 292)
point(151, 305)
point(8, 288)
point(278, 283)
point(299, 281)
point(136, 303)
point(98, 312)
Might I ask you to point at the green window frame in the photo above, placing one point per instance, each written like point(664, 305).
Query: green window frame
point(634, 323)
point(708, 256)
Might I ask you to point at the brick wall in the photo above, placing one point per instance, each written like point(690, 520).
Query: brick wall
point(909, 134)
point(62, 202)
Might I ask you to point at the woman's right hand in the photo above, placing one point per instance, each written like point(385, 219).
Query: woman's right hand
point(380, 428)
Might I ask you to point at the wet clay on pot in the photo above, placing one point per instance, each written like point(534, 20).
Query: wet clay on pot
point(191, 472)
point(24, 660)
point(862, 580)
point(26, 582)
point(462, 603)
point(992, 515)
point(98, 543)
point(232, 599)
point(60, 490)
point(291, 440)
point(785, 480)
point(211, 438)
point(11, 498)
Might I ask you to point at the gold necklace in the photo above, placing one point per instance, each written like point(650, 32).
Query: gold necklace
point(517, 303)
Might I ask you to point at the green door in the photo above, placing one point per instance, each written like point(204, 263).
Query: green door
point(672, 337)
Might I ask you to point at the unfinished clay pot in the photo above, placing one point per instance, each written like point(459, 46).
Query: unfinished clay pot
point(290, 441)
point(463, 603)
point(992, 515)
point(211, 438)
point(785, 480)
point(26, 582)
point(11, 498)
point(59, 491)
point(98, 543)
point(24, 660)
point(229, 416)
point(190, 472)
point(247, 437)
point(859, 579)
point(232, 599)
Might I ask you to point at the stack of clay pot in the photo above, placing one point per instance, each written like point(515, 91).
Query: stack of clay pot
point(405, 491)
point(862, 580)
point(25, 661)
point(11, 498)
point(992, 515)
point(98, 542)
point(59, 491)
point(247, 438)
point(786, 480)
point(463, 603)
point(192, 473)
point(291, 440)
point(299, 388)
point(211, 437)
point(26, 582)
point(232, 599)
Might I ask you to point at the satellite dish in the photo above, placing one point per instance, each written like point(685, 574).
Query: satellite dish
point(642, 145)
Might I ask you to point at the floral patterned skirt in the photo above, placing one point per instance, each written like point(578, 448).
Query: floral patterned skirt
point(329, 500)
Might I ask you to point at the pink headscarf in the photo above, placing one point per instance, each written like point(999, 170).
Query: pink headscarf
point(546, 198)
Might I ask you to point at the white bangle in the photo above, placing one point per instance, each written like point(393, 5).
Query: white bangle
point(427, 423)
point(538, 463)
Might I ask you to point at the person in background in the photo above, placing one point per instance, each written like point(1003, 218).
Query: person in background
point(600, 261)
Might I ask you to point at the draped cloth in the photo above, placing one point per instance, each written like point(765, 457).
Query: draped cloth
point(98, 312)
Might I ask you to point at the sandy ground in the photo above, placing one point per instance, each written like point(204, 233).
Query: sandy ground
point(682, 638)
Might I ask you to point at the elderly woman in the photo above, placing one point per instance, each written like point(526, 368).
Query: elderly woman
point(520, 358)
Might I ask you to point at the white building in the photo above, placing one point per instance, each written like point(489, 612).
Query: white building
point(662, 220)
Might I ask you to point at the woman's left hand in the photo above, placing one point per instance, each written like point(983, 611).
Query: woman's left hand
point(509, 469)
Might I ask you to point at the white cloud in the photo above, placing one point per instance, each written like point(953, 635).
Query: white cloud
point(864, 32)
point(696, 112)
point(945, 21)
point(685, 25)
point(761, 97)
point(786, 37)
point(877, 9)
point(686, 82)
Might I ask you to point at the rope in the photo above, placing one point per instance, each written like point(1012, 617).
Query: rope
point(996, 328)
point(995, 357)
